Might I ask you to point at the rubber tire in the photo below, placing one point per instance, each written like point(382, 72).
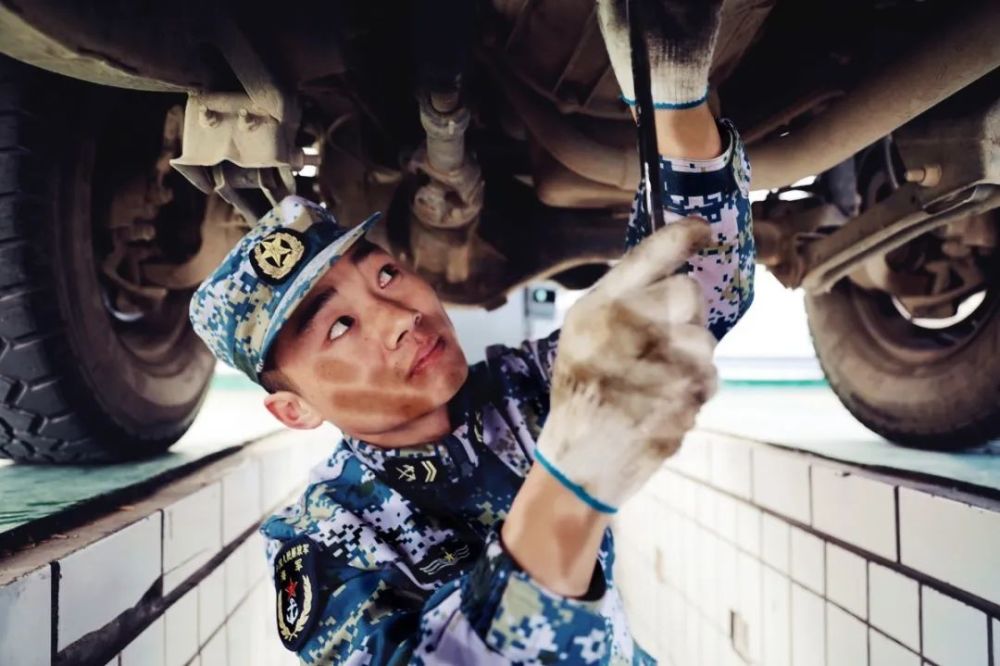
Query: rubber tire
point(948, 403)
point(72, 392)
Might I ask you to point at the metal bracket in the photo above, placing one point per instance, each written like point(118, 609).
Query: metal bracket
point(242, 140)
point(889, 224)
point(953, 174)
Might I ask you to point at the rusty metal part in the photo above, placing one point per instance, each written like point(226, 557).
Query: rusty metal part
point(780, 237)
point(520, 242)
point(162, 46)
point(601, 163)
point(572, 72)
point(350, 180)
point(57, 36)
point(809, 101)
point(933, 71)
point(954, 177)
point(451, 256)
point(935, 287)
point(446, 208)
point(557, 186)
point(942, 301)
point(254, 131)
point(453, 196)
point(221, 228)
point(261, 85)
point(889, 224)
point(134, 207)
point(223, 131)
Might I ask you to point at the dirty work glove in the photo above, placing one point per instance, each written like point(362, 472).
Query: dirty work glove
point(680, 35)
point(633, 369)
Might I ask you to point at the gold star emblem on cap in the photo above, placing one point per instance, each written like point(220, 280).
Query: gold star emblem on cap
point(278, 254)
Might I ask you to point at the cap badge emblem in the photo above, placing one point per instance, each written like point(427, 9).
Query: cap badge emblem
point(276, 255)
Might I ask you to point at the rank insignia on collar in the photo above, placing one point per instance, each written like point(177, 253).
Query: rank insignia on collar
point(298, 591)
point(276, 255)
point(411, 471)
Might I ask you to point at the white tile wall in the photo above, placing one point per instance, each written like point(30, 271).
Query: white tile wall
point(211, 603)
point(192, 534)
point(106, 578)
point(887, 652)
point(894, 605)
point(781, 482)
point(749, 576)
point(693, 459)
point(807, 560)
point(167, 541)
point(26, 610)
point(216, 650)
point(235, 572)
point(776, 591)
point(725, 517)
point(728, 590)
point(846, 638)
point(147, 649)
point(847, 580)
point(929, 529)
point(996, 642)
point(748, 528)
point(774, 545)
point(731, 469)
point(828, 591)
point(859, 511)
point(241, 501)
point(181, 630)
point(954, 634)
point(808, 628)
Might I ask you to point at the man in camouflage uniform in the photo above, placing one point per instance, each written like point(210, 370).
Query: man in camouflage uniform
point(463, 518)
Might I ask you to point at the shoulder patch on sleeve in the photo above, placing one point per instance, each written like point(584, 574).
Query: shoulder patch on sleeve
point(298, 590)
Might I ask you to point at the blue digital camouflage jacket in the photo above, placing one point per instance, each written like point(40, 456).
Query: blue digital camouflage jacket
point(411, 567)
point(392, 556)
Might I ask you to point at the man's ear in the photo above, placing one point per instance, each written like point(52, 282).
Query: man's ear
point(293, 410)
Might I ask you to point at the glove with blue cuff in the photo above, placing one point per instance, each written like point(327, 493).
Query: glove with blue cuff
point(633, 369)
point(680, 37)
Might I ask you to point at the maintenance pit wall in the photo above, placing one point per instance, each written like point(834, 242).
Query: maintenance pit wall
point(740, 552)
point(176, 577)
point(797, 540)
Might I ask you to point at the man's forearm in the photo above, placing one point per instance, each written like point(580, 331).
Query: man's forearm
point(553, 535)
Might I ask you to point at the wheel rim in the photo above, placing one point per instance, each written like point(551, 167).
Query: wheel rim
point(912, 343)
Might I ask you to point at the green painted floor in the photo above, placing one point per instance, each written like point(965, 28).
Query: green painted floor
point(804, 416)
point(809, 417)
point(231, 416)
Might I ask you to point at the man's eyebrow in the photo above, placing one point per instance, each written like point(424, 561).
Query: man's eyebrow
point(312, 308)
point(362, 250)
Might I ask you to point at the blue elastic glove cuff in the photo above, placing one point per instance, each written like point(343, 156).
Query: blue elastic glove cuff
point(670, 105)
point(574, 488)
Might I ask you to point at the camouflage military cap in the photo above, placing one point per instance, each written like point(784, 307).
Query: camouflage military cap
point(239, 310)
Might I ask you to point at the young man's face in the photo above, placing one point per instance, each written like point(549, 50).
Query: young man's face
point(369, 349)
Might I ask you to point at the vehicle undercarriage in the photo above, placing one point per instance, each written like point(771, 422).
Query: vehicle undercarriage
point(492, 136)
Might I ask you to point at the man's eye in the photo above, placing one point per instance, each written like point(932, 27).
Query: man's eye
point(387, 274)
point(340, 327)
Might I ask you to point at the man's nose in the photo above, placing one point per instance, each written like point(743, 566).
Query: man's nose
point(402, 322)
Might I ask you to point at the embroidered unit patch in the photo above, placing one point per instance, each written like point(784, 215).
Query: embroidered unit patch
point(298, 591)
